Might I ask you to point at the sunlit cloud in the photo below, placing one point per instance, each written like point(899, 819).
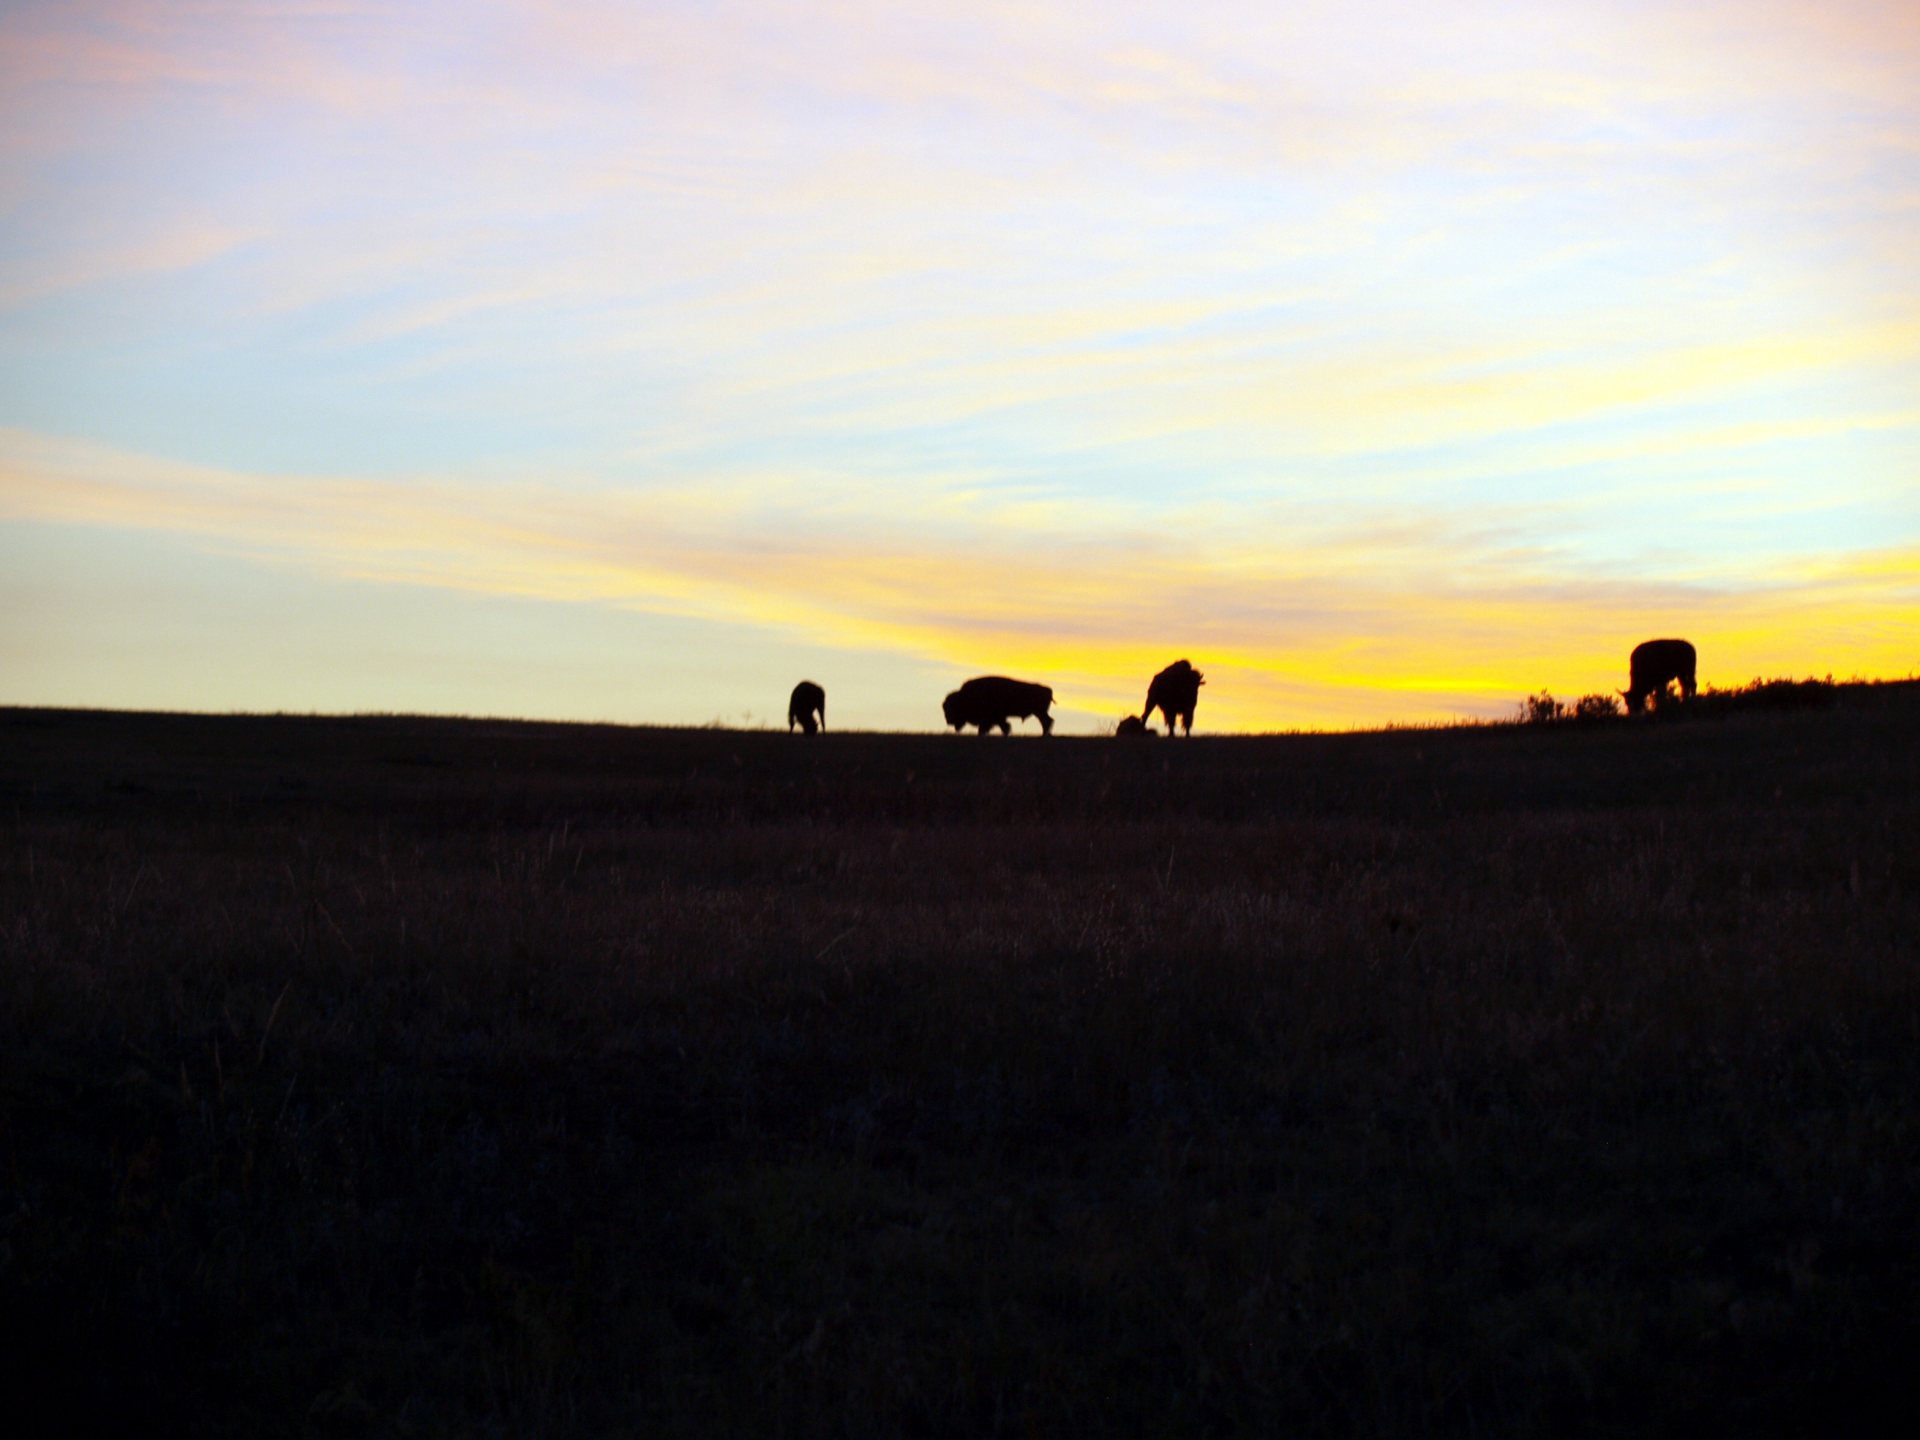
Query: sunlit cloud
point(1369, 625)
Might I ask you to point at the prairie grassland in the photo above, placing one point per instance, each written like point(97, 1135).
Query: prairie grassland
point(430, 1077)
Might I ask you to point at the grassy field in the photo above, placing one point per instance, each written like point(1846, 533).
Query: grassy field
point(435, 1077)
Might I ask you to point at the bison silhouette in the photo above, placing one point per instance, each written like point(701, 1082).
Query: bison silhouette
point(989, 700)
point(1653, 666)
point(807, 708)
point(1174, 692)
point(1136, 728)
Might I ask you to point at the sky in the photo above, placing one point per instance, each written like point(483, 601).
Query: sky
point(581, 360)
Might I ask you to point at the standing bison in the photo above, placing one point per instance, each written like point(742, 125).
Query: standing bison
point(1175, 692)
point(989, 700)
point(1653, 666)
point(807, 708)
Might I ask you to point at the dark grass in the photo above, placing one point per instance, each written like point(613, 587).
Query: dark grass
point(430, 1077)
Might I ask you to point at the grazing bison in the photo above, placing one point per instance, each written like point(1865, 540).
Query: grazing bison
point(807, 708)
point(989, 700)
point(1174, 693)
point(1654, 665)
point(1135, 727)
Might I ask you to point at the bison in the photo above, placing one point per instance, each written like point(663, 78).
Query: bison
point(1654, 665)
point(1134, 727)
point(807, 708)
point(989, 700)
point(1174, 693)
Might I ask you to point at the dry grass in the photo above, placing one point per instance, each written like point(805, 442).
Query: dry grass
point(415, 1078)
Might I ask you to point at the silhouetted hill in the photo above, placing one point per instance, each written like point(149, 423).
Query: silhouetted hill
point(423, 1076)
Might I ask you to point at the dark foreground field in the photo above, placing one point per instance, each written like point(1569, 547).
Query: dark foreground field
point(419, 1077)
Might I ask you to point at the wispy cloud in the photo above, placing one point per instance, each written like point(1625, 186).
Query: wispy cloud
point(164, 252)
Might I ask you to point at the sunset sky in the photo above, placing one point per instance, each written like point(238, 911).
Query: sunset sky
point(634, 361)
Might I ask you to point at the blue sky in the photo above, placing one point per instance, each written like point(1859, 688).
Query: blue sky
point(632, 361)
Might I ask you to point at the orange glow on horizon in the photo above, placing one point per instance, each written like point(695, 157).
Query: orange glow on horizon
point(1383, 651)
